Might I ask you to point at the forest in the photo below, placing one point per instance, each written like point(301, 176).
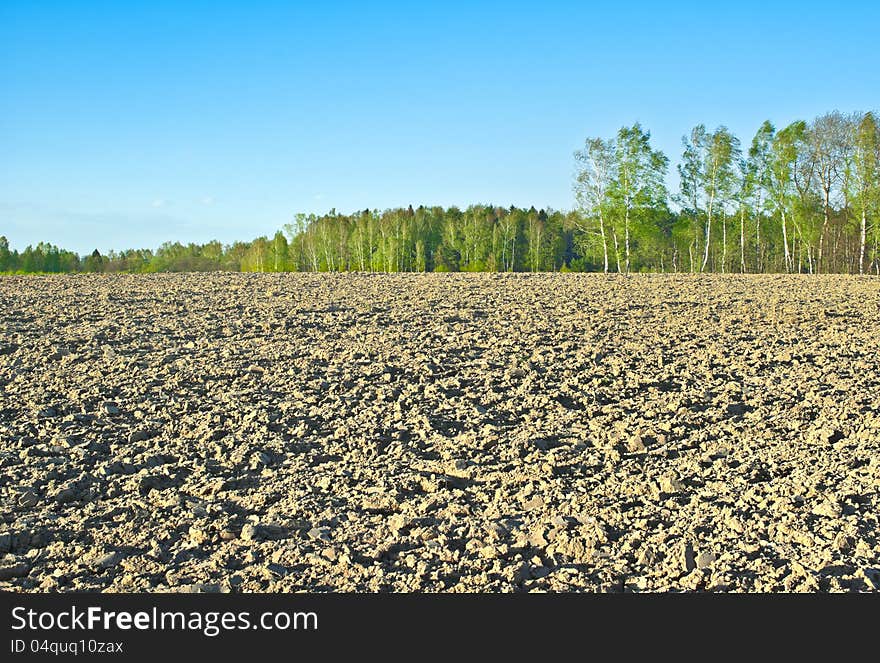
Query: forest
point(801, 199)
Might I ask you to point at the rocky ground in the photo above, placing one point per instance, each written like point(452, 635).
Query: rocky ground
point(232, 432)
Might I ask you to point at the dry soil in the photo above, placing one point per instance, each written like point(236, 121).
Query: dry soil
point(231, 432)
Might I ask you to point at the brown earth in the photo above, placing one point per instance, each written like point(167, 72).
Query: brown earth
point(231, 432)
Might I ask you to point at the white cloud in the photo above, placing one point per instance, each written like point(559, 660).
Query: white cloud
point(208, 200)
point(159, 202)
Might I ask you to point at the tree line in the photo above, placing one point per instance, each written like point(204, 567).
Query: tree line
point(801, 199)
point(170, 257)
point(805, 198)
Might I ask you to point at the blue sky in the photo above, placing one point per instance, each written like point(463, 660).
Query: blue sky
point(131, 123)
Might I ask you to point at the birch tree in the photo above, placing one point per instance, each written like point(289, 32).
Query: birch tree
point(638, 184)
point(536, 231)
point(866, 178)
point(690, 173)
point(719, 175)
point(779, 177)
point(756, 181)
point(508, 224)
point(592, 184)
point(827, 140)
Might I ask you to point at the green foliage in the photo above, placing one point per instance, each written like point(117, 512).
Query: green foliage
point(7, 259)
point(94, 262)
